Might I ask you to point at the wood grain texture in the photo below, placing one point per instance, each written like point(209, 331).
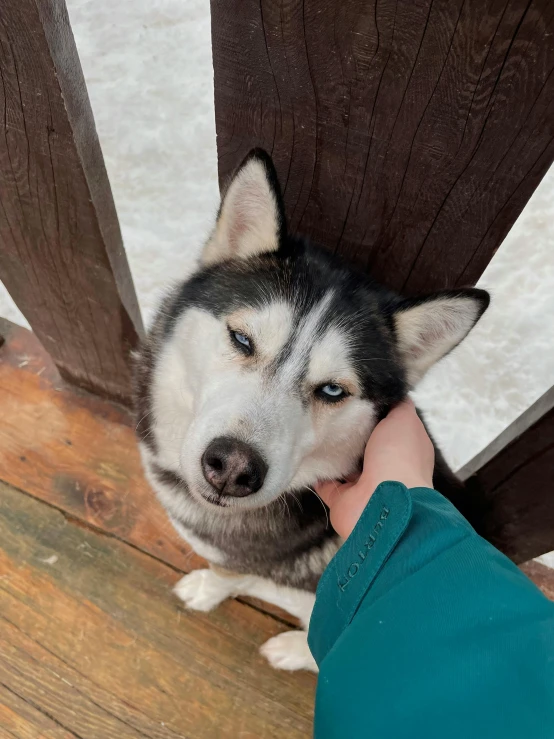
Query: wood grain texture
point(19, 719)
point(515, 488)
point(91, 637)
point(407, 136)
point(61, 257)
point(79, 453)
point(541, 575)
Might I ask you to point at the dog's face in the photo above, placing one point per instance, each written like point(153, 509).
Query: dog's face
point(275, 361)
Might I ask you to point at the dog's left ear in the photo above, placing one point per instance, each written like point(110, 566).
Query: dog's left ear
point(251, 218)
point(430, 327)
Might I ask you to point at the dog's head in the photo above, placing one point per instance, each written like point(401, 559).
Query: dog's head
point(272, 364)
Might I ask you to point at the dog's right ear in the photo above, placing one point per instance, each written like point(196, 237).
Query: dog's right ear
point(251, 218)
point(429, 327)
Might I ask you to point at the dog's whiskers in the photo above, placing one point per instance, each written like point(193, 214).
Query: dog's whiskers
point(148, 413)
point(282, 499)
point(298, 501)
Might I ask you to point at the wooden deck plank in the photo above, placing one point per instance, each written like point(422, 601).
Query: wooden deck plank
point(541, 575)
point(21, 720)
point(79, 454)
point(91, 636)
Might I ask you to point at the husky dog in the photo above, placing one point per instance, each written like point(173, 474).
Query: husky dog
point(263, 373)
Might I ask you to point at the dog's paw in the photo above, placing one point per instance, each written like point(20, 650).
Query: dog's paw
point(202, 590)
point(289, 651)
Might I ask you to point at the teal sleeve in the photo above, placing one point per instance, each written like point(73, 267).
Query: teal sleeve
point(422, 629)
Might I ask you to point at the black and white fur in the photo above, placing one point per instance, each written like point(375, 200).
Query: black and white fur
point(311, 323)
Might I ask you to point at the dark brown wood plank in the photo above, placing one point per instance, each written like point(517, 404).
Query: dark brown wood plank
point(542, 576)
point(513, 484)
point(91, 635)
point(62, 257)
point(79, 454)
point(407, 136)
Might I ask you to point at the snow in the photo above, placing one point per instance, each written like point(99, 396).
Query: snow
point(148, 68)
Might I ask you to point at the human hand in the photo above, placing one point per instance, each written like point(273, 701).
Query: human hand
point(398, 449)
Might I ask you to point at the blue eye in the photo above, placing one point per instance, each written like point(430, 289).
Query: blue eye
point(331, 392)
point(241, 341)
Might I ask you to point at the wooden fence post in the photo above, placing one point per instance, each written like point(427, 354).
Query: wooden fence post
point(61, 255)
point(408, 137)
point(512, 479)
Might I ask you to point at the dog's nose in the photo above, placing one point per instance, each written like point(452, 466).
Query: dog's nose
point(233, 467)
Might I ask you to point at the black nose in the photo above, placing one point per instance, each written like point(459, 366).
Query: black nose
point(233, 467)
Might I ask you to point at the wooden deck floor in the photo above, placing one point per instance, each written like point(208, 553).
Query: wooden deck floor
point(93, 644)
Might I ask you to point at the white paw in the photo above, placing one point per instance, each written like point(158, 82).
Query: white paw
point(289, 651)
point(202, 590)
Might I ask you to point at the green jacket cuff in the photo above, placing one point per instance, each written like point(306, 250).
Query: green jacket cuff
point(354, 568)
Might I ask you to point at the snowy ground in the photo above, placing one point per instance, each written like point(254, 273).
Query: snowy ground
point(148, 68)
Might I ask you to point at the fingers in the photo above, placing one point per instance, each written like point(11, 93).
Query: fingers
point(329, 490)
point(399, 449)
point(402, 412)
point(388, 454)
point(400, 423)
